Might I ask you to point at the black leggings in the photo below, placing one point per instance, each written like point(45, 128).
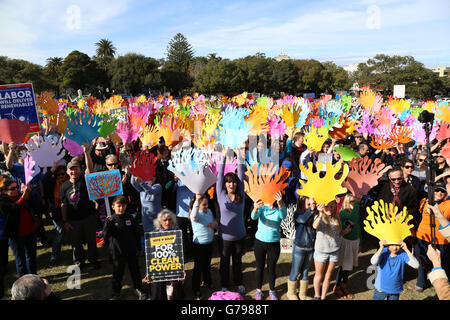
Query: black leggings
point(202, 264)
point(234, 250)
point(271, 250)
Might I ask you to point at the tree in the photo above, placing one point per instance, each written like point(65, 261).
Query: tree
point(259, 70)
point(132, 72)
point(79, 71)
point(105, 52)
point(285, 77)
point(339, 79)
point(52, 68)
point(21, 71)
point(313, 77)
point(179, 53)
point(385, 71)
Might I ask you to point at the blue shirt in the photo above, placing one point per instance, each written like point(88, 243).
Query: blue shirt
point(269, 221)
point(151, 202)
point(184, 197)
point(200, 221)
point(390, 272)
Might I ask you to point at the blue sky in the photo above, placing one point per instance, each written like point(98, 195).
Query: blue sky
point(345, 32)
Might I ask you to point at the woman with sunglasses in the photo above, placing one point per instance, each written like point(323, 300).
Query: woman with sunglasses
point(408, 168)
point(20, 225)
point(53, 180)
point(424, 237)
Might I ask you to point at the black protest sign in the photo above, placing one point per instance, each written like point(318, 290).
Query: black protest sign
point(164, 255)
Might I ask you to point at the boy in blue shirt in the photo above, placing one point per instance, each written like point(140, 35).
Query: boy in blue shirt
point(390, 260)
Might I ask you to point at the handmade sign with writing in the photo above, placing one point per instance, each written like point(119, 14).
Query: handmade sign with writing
point(17, 102)
point(164, 255)
point(119, 113)
point(104, 184)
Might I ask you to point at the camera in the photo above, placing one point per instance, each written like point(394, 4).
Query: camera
point(426, 117)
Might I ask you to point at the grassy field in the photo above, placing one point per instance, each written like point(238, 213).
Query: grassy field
point(96, 284)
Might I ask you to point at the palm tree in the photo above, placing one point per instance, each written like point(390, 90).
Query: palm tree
point(52, 68)
point(53, 64)
point(105, 52)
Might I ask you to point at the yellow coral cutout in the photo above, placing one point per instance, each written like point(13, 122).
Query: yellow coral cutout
point(367, 99)
point(114, 102)
point(142, 99)
point(386, 223)
point(211, 121)
point(443, 113)
point(150, 136)
point(258, 119)
point(290, 114)
point(323, 190)
point(315, 138)
point(399, 105)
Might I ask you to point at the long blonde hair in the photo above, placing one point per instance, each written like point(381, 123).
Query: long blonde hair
point(349, 202)
point(331, 220)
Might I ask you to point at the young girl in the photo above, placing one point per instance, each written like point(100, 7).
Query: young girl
point(326, 248)
point(390, 260)
point(348, 253)
point(123, 237)
point(267, 242)
point(303, 249)
point(203, 225)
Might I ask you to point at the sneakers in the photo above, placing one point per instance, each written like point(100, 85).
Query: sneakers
point(258, 295)
point(141, 295)
point(241, 289)
point(273, 295)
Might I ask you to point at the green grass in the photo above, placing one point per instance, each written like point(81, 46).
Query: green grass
point(96, 284)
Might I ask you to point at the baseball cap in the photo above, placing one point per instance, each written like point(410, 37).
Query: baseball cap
point(440, 186)
point(73, 163)
point(358, 134)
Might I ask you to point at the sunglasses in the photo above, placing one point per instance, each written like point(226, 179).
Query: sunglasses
point(13, 188)
point(396, 179)
point(440, 190)
point(62, 174)
point(408, 167)
point(420, 160)
point(112, 164)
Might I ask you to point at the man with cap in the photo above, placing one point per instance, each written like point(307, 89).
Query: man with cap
point(424, 236)
point(99, 153)
point(78, 212)
point(290, 196)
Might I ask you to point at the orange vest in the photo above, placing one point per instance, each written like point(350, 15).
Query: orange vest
point(424, 230)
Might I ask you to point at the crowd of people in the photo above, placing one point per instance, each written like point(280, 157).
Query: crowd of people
point(327, 236)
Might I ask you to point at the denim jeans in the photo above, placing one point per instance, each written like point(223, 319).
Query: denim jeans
point(24, 249)
point(380, 295)
point(301, 261)
point(59, 231)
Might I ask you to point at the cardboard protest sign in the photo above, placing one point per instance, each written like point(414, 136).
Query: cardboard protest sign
point(13, 130)
point(119, 113)
point(17, 101)
point(164, 255)
point(104, 184)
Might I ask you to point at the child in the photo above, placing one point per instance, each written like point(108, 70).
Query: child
point(303, 249)
point(390, 261)
point(326, 247)
point(123, 238)
point(203, 225)
point(348, 253)
point(267, 242)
